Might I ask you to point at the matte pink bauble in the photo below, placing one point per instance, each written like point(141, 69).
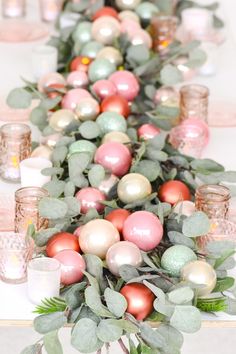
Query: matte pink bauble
point(72, 266)
point(115, 157)
point(144, 229)
point(200, 124)
point(122, 253)
point(104, 88)
point(73, 97)
point(126, 84)
point(141, 37)
point(77, 79)
point(97, 236)
point(130, 27)
point(90, 198)
point(148, 131)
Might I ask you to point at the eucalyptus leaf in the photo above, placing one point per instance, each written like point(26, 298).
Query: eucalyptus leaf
point(197, 58)
point(127, 326)
point(149, 169)
point(43, 236)
point(152, 338)
point(116, 302)
point(128, 272)
point(181, 295)
point(158, 142)
point(223, 284)
point(170, 75)
point(51, 322)
point(156, 155)
point(38, 116)
point(164, 308)
point(178, 238)
point(51, 171)
point(59, 154)
point(84, 336)
point(96, 175)
point(186, 319)
point(78, 162)
point(52, 208)
point(94, 265)
point(138, 53)
point(55, 188)
point(108, 331)
point(32, 349)
point(206, 165)
point(93, 300)
point(50, 103)
point(73, 205)
point(52, 344)
point(89, 130)
point(19, 98)
point(156, 291)
point(72, 296)
point(171, 335)
point(69, 190)
point(220, 247)
point(197, 224)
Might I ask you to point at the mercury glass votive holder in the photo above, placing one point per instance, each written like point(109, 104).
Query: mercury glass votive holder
point(13, 8)
point(43, 276)
point(50, 9)
point(188, 140)
point(163, 30)
point(194, 102)
point(15, 146)
point(213, 200)
point(15, 253)
point(26, 209)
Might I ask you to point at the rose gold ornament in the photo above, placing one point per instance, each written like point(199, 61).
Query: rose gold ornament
point(173, 192)
point(127, 4)
point(112, 54)
point(78, 79)
point(87, 109)
point(74, 97)
point(50, 79)
point(90, 198)
point(119, 137)
point(59, 120)
point(105, 11)
point(104, 88)
point(140, 300)
point(62, 241)
point(117, 218)
point(80, 64)
point(72, 266)
point(141, 37)
point(97, 236)
point(126, 84)
point(129, 15)
point(148, 131)
point(132, 187)
point(105, 29)
point(116, 103)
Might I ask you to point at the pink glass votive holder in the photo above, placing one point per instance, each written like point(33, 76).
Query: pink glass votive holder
point(50, 9)
point(188, 140)
point(221, 230)
point(7, 212)
point(13, 8)
point(15, 253)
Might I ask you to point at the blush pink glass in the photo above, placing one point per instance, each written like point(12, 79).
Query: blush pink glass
point(26, 209)
point(194, 102)
point(15, 253)
point(188, 140)
point(163, 29)
point(50, 9)
point(15, 146)
point(7, 212)
point(13, 8)
point(213, 200)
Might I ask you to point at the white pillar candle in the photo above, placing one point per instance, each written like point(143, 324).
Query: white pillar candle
point(30, 171)
point(197, 21)
point(43, 279)
point(13, 8)
point(44, 60)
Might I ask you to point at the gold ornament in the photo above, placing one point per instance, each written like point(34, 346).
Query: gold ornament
point(112, 54)
point(87, 109)
point(133, 187)
point(200, 273)
point(119, 137)
point(61, 119)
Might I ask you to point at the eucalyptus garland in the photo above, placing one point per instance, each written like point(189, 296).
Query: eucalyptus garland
point(95, 307)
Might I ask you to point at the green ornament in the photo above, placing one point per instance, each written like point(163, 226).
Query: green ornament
point(111, 121)
point(83, 146)
point(100, 69)
point(82, 32)
point(175, 258)
point(91, 49)
point(146, 10)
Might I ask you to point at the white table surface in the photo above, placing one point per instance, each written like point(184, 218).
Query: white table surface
point(15, 61)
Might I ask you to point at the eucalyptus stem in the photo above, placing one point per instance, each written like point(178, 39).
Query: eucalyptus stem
point(123, 347)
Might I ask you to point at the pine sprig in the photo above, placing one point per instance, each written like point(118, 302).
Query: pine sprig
point(51, 305)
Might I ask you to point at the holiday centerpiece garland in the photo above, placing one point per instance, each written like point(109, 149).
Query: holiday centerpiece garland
point(117, 184)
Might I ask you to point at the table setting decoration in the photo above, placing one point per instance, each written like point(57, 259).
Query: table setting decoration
point(119, 204)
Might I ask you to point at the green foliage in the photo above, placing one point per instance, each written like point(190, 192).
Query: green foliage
point(50, 322)
point(52, 344)
point(50, 306)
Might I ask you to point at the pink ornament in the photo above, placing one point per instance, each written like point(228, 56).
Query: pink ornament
point(130, 27)
point(73, 97)
point(104, 88)
point(90, 198)
point(144, 229)
point(148, 131)
point(126, 84)
point(72, 266)
point(78, 231)
point(77, 79)
point(141, 37)
point(199, 123)
point(115, 157)
point(50, 79)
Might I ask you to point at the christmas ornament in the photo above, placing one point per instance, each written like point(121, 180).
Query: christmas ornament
point(146, 10)
point(173, 192)
point(144, 229)
point(78, 231)
point(127, 4)
point(116, 103)
point(133, 187)
point(62, 241)
point(105, 11)
point(105, 29)
point(91, 49)
point(122, 253)
point(111, 121)
point(166, 94)
point(51, 140)
point(90, 198)
point(186, 208)
point(148, 131)
point(73, 97)
point(97, 236)
point(115, 157)
point(59, 120)
point(42, 151)
point(107, 184)
point(117, 217)
point(128, 15)
point(130, 27)
point(126, 84)
point(50, 79)
point(112, 54)
point(87, 109)
point(176, 257)
point(83, 146)
point(119, 137)
point(200, 273)
point(53, 90)
point(104, 88)
point(72, 266)
point(77, 79)
point(100, 69)
point(140, 300)
point(82, 33)
point(141, 37)
point(80, 63)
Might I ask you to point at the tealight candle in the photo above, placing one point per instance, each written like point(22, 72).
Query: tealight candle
point(197, 21)
point(50, 9)
point(30, 170)
point(43, 279)
point(13, 8)
point(44, 60)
